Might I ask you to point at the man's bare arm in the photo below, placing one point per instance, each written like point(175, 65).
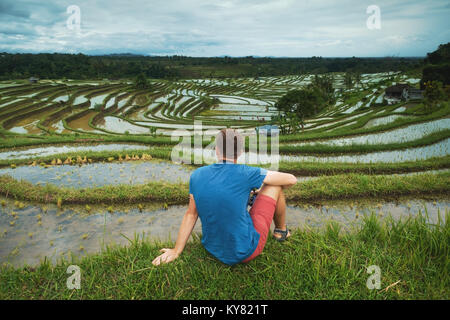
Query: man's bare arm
point(275, 178)
point(187, 225)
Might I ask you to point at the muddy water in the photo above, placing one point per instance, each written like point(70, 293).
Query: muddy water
point(82, 123)
point(100, 174)
point(24, 153)
point(383, 120)
point(30, 128)
point(118, 125)
point(439, 149)
point(29, 123)
point(74, 231)
point(409, 133)
point(349, 214)
point(132, 172)
point(45, 231)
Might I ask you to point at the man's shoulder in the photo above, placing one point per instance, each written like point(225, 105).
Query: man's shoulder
point(248, 168)
point(200, 171)
point(238, 167)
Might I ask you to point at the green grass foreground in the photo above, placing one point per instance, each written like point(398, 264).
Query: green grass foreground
point(318, 263)
point(348, 186)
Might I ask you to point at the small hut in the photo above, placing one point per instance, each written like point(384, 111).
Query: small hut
point(402, 92)
point(33, 80)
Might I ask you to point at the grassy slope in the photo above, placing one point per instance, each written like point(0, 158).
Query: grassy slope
point(313, 264)
point(349, 186)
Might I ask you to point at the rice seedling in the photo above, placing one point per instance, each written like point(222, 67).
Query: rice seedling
point(409, 250)
point(314, 263)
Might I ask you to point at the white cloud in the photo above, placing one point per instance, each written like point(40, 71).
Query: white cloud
point(227, 27)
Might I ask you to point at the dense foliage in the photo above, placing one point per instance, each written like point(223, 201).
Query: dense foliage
point(433, 92)
point(441, 55)
point(438, 66)
point(141, 82)
point(297, 105)
point(80, 66)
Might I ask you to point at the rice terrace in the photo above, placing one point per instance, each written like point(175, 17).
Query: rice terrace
point(87, 177)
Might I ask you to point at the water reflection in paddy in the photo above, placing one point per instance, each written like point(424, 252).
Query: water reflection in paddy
point(45, 231)
point(409, 133)
point(100, 174)
point(118, 125)
point(383, 120)
point(439, 149)
point(52, 150)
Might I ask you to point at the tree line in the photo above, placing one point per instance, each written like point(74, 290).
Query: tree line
point(126, 66)
point(437, 66)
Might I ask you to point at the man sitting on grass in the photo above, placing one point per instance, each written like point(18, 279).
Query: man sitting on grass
point(219, 193)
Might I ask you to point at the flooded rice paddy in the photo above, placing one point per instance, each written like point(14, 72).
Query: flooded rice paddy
point(118, 125)
point(235, 100)
point(405, 134)
point(100, 174)
point(24, 153)
point(30, 234)
point(384, 120)
point(438, 149)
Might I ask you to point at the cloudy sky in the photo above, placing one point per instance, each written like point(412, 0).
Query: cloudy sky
point(292, 28)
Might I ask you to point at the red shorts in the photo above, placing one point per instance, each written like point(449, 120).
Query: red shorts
point(261, 213)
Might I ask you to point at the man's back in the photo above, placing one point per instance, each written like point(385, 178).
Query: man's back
point(221, 191)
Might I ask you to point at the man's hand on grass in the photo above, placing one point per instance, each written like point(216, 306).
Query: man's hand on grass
point(188, 223)
point(168, 256)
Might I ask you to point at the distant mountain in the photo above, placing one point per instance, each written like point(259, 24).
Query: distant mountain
point(122, 55)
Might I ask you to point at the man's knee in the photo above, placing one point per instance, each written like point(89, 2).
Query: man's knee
point(271, 191)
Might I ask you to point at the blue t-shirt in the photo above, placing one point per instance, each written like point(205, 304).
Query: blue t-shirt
point(221, 193)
